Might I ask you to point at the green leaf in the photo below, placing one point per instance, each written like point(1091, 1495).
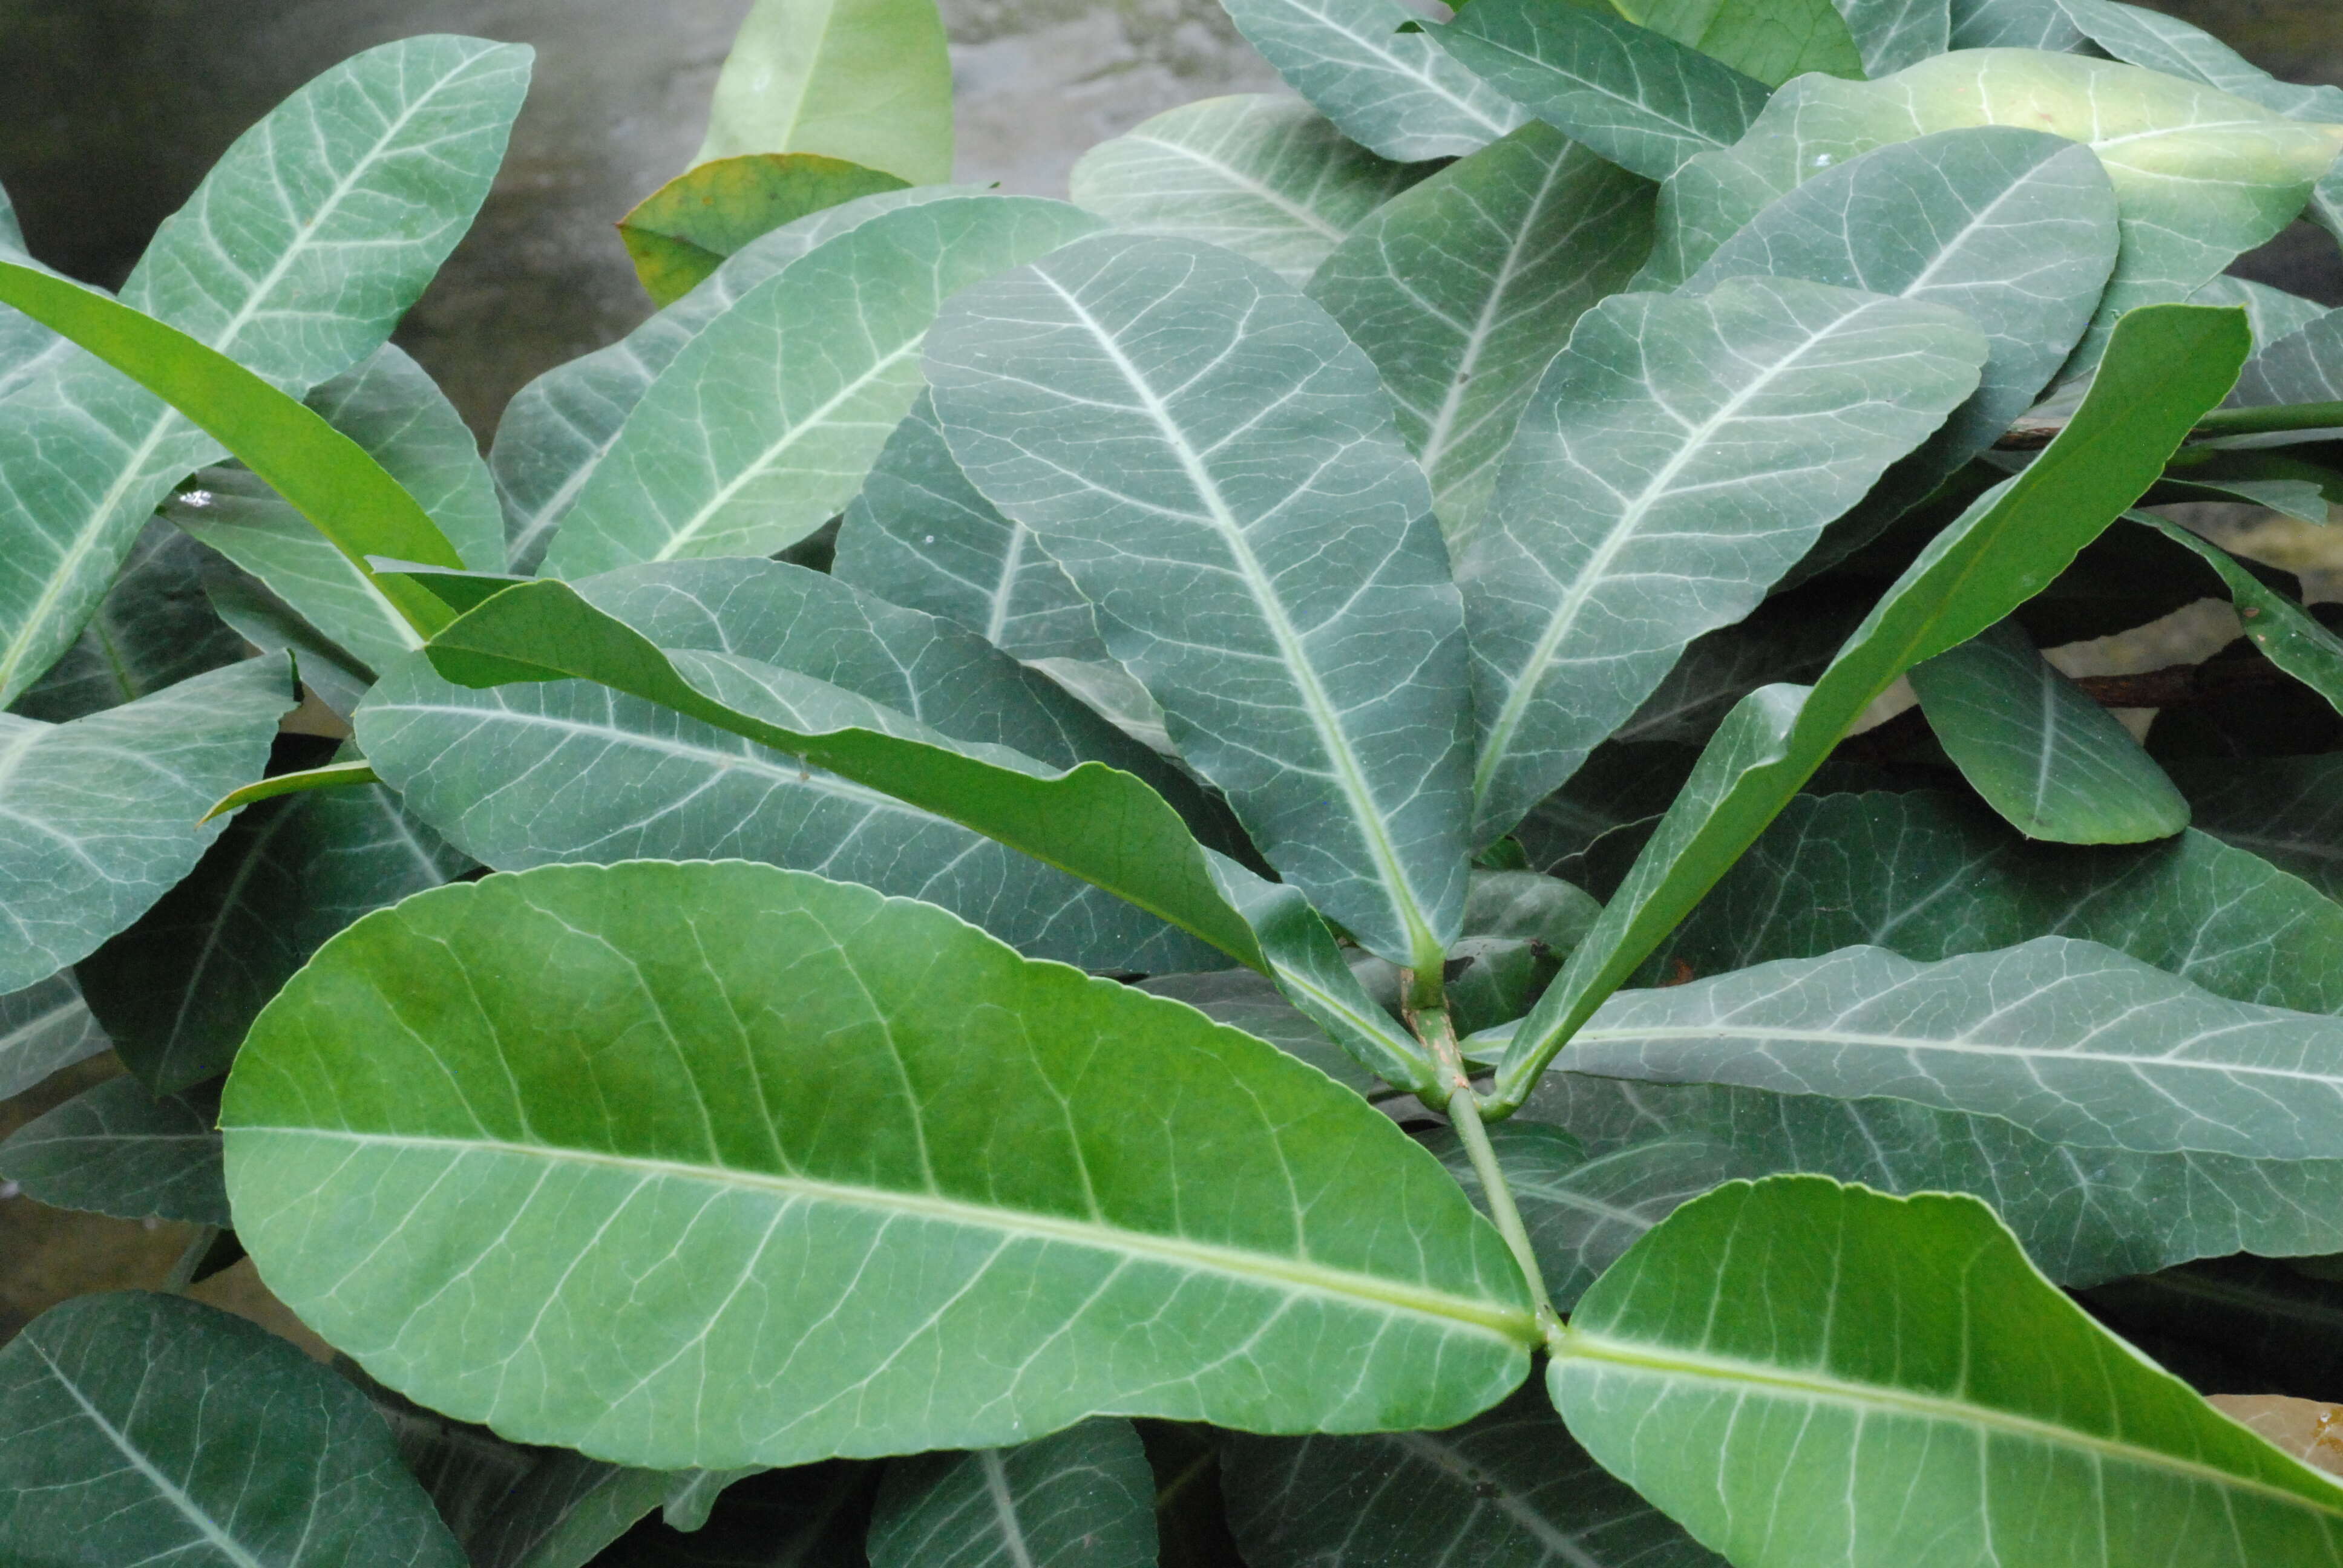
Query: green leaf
point(693, 1495)
point(1642, 101)
point(2171, 46)
point(2288, 634)
point(117, 1150)
point(2273, 312)
point(556, 429)
point(2014, 228)
point(328, 671)
point(331, 776)
point(1800, 1425)
point(101, 813)
point(1508, 1489)
point(1238, 499)
point(2083, 1217)
point(1083, 1498)
point(2014, 25)
point(137, 1428)
point(1674, 462)
point(1894, 33)
point(2049, 759)
point(563, 1512)
point(813, 1516)
point(2199, 177)
point(154, 629)
point(1771, 40)
point(178, 988)
point(2077, 1043)
point(867, 81)
point(341, 205)
point(830, 345)
point(707, 1109)
point(921, 536)
point(2288, 810)
point(44, 1028)
point(395, 414)
point(2304, 366)
point(1464, 288)
point(1393, 92)
point(1258, 174)
point(629, 777)
point(1931, 875)
point(680, 234)
point(2164, 366)
point(1252, 1002)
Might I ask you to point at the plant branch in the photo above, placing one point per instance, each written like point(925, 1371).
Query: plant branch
point(2263, 422)
point(183, 1273)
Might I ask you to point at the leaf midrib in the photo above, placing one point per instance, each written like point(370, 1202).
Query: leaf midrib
point(1514, 1325)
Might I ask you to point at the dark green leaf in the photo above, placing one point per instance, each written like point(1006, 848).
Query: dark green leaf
point(154, 629)
point(1771, 40)
point(44, 1028)
point(1894, 33)
point(2286, 809)
point(117, 1150)
point(1081, 1498)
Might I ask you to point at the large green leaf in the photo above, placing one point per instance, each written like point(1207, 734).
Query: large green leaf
point(391, 408)
point(675, 766)
point(306, 243)
point(2200, 176)
point(2273, 313)
point(1645, 102)
point(1931, 875)
point(2164, 366)
point(1080, 1498)
point(763, 426)
point(1236, 498)
point(100, 816)
point(137, 1428)
point(2304, 366)
point(1259, 174)
point(919, 535)
point(869, 81)
point(2014, 25)
point(1464, 288)
point(153, 627)
point(1771, 40)
point(2171, 46)
point(1508, 1489)
point(1675, 460)
point(723, 1164)
point(1253, 1003)
point(1894, 33)
point(556, 429)
point(177, 990)
point(1384, 85)
point(43, 1028)
point(1789, 1368)
point(563, 1512)
point(2045, 755)
point(680, 234)
point(2288, 810)
point(2074, 1041)
point(117, 1150)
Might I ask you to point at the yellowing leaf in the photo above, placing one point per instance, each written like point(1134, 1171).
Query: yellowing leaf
point(683, 231)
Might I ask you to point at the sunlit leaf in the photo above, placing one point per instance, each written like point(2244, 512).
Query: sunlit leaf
point(867, 81)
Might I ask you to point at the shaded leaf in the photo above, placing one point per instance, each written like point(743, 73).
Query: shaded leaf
point(1771, 40)
point(2304, 366)
point(2171, 46)
point(867, 81)
point(813, 1516)
point(1894, 33)
point(153, 627)
point(2014, 25)
point(1252, 1002)
point(563, 1512)
point(117, 1150)
point(2286, 633)
point(1388, 88)
point(44, 1028)
point(1080, 1498)
point(2273, 313)
point(328, 671)
point(680, 233)
point(2286, 809)
point(2251, 1325)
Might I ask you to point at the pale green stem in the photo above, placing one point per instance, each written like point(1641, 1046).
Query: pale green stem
point(2274, 418)
point(183, 1273)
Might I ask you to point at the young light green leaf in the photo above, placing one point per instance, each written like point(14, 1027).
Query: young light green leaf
point(154, 629)
point(831, 346)
point(2014, 25)
point(2171, 46)
point(1080, 1498)
point(1095, 821)
point(2164, 366)
point(2288, 636)
point(1259, 174)
point(1674, 462)
point(101, 812)
point(2073, 1042)
point(2304, 366)
point(919, 535)
point(1894, 33)
point(2046, 756)
point(137, 1428)
point(1646, 103)
point(869, 81)
point(2288, 810)
point(390, 408)
point(1771, 40)
point(342, 204)
point(177, 990)
point(556, 429)
point(2247, 170)
point(1508, 1489)
point(1392, 91)
point(1932, 875)
point(1237, 500)
point(1464, 288)
point(782, 1115)
point(680, 234)
point(117, 1150)
point(43, 1028)
point(331, 776)
point(1800, 1425)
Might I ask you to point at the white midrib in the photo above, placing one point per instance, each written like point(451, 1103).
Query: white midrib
point(221, 1541)
point(813, 421)
point(1004, 1507)
point(2046, 685)
point(1249, 185)
point(68, 565)
point(1592, 576)
point(1012, 561)
point(1577, 1345)
point(1366, 41)
point(1514, 1325)
point(1588, 84)
point(1315, 702)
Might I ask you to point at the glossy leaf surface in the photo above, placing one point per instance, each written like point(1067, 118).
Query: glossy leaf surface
point(1393, 91)
point(1080, 1498)
point(783, 1068)
point(867, 81)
